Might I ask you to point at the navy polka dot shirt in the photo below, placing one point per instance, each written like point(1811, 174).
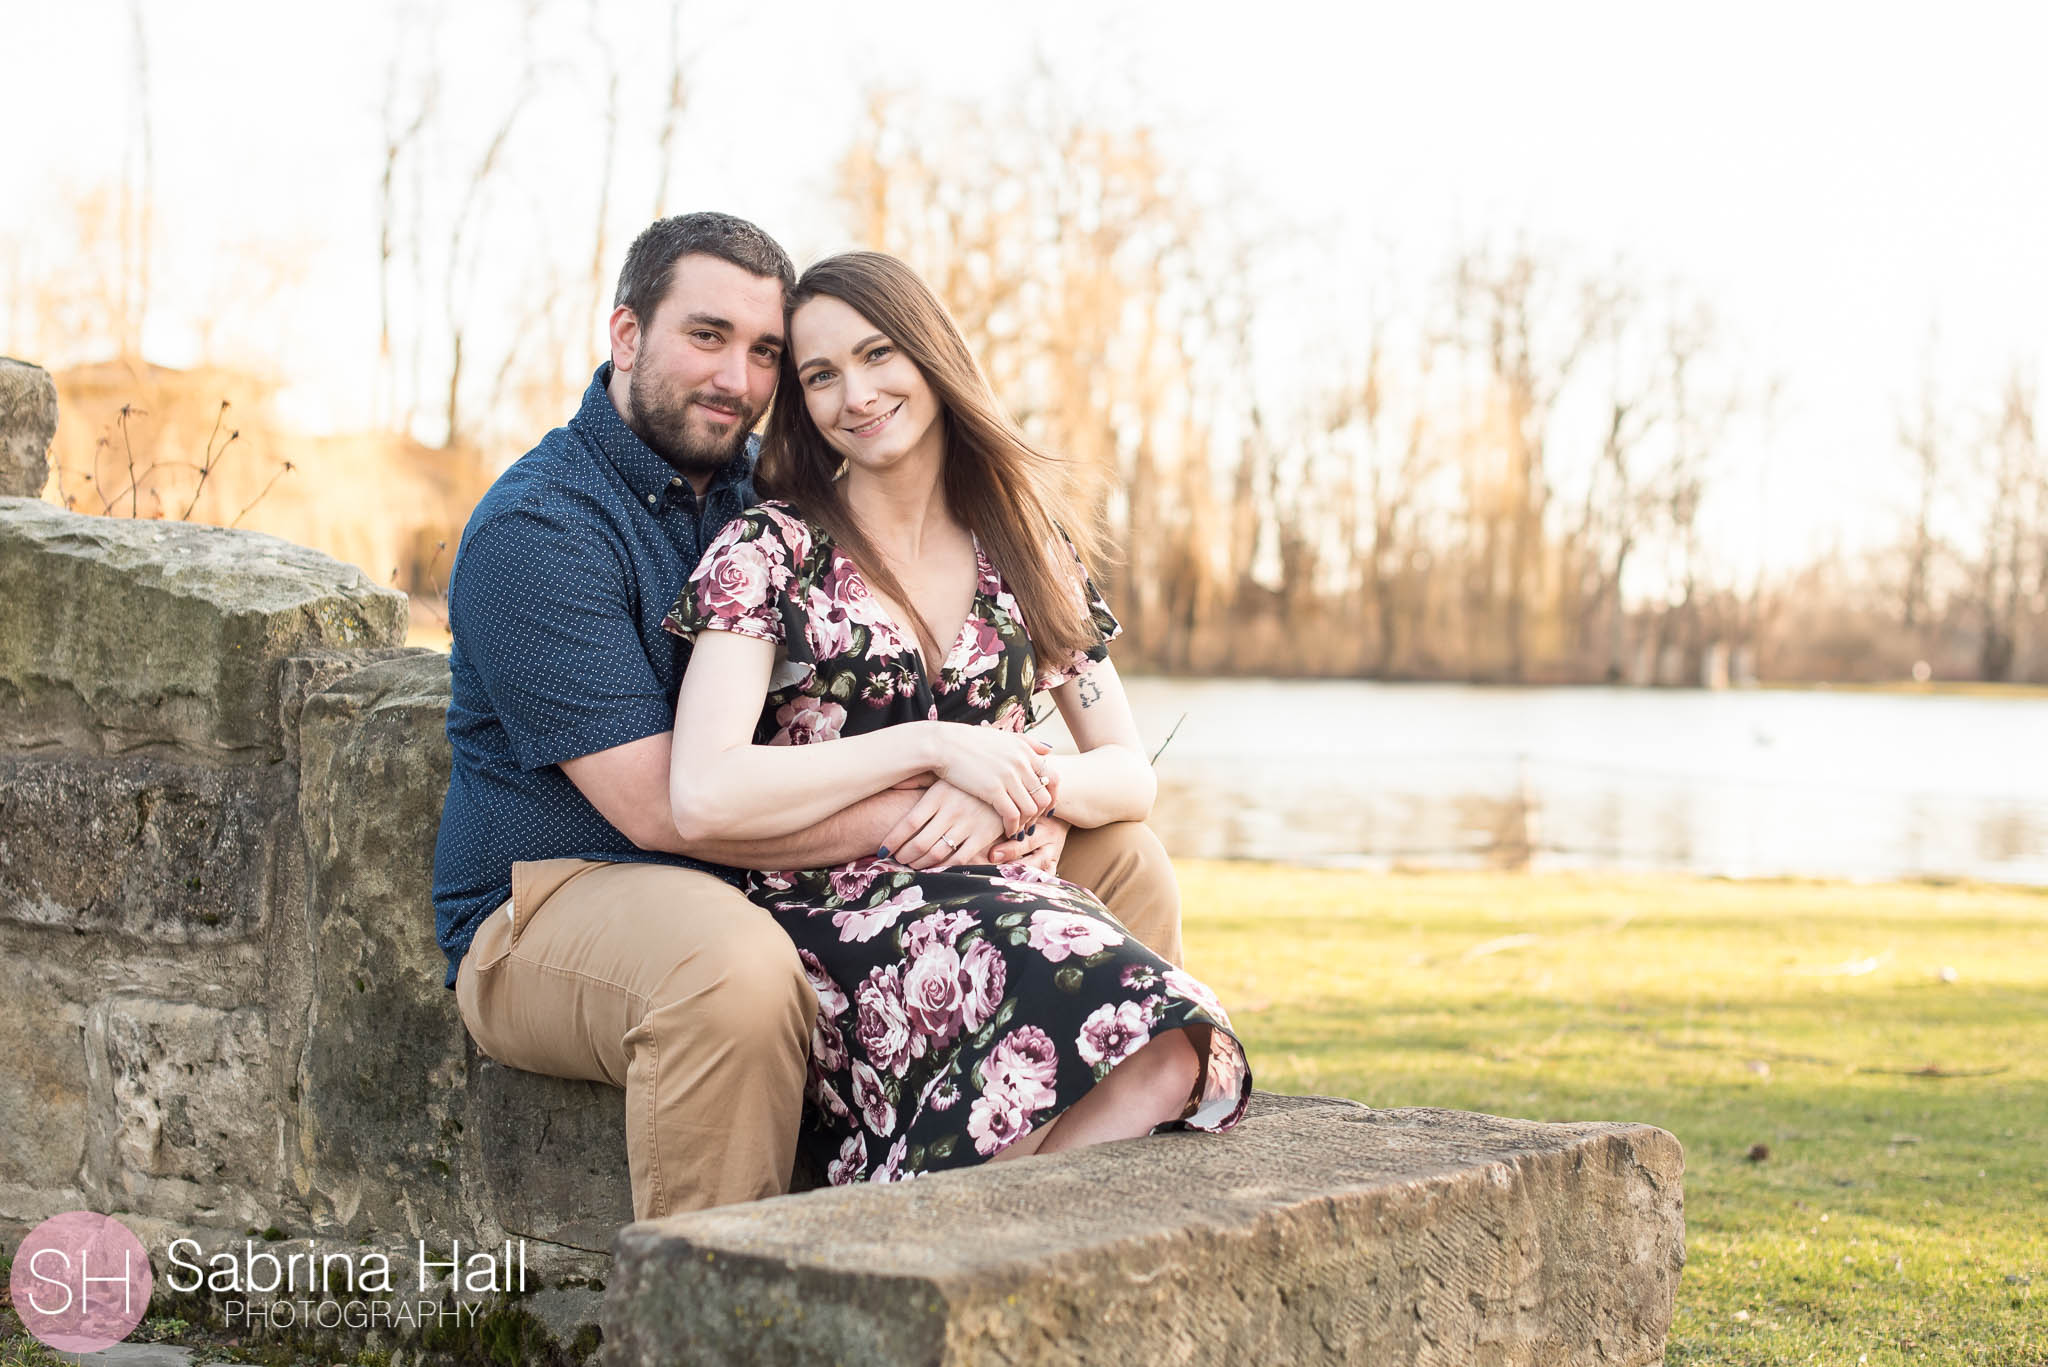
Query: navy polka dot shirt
point(563, 575)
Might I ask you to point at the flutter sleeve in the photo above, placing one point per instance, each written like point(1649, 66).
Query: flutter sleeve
point(742, 583)
point(1105, 625)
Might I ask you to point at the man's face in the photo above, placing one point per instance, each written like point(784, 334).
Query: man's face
point(702, 369)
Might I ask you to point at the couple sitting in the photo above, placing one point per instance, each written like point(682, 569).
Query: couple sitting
point(925, 944)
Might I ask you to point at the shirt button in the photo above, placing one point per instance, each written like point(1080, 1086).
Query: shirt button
point(674, 481)
point(650, 498)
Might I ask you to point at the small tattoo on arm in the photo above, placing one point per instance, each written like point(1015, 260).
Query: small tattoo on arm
point(1090, 692)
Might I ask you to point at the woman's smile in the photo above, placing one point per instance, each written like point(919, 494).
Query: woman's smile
point(874, 425)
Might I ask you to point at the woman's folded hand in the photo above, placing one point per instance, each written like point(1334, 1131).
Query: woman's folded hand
point(1006, 770)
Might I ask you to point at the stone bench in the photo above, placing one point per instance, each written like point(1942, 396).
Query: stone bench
point(1318, 1231)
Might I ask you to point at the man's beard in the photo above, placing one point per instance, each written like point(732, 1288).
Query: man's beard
point(663, 420)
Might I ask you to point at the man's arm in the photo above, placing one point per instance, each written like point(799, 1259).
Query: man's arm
point(628, 784)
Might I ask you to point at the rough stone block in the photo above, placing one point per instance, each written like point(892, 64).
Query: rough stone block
point(554, 1155)
point(42, 1089)
point(1328, 1234)
point(28, 419)
point(181, 1118)
point(117, 634)
point(176, 853)
point(382, 1087)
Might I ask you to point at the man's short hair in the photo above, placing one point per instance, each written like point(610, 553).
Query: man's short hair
point(651, 260)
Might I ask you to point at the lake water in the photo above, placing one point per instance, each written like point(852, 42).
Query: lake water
point(1747, 783)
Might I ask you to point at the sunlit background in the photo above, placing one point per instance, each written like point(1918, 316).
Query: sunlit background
point(1518, 346)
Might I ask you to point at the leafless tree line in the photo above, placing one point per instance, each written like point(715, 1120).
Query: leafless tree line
point(1518, 447)
point(1965, 594)
point(1509, 470)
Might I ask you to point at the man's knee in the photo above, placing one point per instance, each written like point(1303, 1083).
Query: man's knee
point(1125, 865)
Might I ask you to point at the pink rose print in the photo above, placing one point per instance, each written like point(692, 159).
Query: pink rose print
point(1112, 1033)
point(984, 975)
point(1196, 991)
point(882, 1024)
point(939, 928)
point(851, 1162)
point(828, 628)
point(996, 1121)
point(891, 1169)
point(806, 721)
point(1057, 934)
point(932, 993)
point(795, 534)
point(827, 1097)
point(1024, 873)
point(855, 924)
point(852, 880)
point(984, 650)
point(737, 581)
point(828, 1045)
point(1023, 1064)
point(831, 999)
point(874, 1104)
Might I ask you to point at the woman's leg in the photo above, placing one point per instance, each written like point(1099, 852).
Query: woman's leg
point(1149, 1088)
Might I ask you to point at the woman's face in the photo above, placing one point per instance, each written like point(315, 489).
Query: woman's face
point(867, 397)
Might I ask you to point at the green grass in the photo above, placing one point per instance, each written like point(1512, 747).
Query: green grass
point(1901, 1216)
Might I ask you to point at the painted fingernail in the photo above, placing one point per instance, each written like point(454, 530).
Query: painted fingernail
point(882, 852)
point(1032, 829)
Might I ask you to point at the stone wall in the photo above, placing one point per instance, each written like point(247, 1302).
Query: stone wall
point(220, 996)
point(28, 420)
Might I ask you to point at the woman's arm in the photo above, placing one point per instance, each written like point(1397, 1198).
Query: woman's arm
point(723, 787)
point(1110, 779)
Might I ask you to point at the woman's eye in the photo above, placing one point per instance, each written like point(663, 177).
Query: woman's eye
point(817, 377)
point(880, 353)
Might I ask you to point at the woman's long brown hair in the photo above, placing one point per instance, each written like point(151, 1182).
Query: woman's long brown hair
point(1014, 497)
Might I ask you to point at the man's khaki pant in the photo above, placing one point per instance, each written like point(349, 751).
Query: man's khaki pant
point(671, 984)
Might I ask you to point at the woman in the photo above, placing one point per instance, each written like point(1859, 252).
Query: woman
point(967, 1012)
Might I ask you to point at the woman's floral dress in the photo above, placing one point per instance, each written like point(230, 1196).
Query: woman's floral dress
point(958, 1008)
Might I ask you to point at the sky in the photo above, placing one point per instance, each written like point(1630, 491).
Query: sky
point(1861, 191)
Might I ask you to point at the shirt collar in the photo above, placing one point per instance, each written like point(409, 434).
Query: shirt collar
point(652, 480)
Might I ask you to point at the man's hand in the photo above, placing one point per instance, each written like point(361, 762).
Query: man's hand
point(1039, 846)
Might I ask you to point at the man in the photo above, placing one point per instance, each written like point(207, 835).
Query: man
point(584, 938)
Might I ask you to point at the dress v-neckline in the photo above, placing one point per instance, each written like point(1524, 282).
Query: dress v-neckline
point(909, 638)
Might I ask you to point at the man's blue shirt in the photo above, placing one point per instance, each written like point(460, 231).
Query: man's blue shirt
point(555, 603)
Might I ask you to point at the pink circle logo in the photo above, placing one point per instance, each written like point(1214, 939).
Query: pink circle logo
point(81, 1282)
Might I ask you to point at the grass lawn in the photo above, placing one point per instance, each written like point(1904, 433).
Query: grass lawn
point(1901, 1214)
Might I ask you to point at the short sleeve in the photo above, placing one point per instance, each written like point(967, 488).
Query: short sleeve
point(740, 584)
point(540, 611)
point(1104, 624)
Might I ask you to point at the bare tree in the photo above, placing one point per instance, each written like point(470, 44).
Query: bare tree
point(2009, 570)
point(671, 110)
point(1926, 438)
